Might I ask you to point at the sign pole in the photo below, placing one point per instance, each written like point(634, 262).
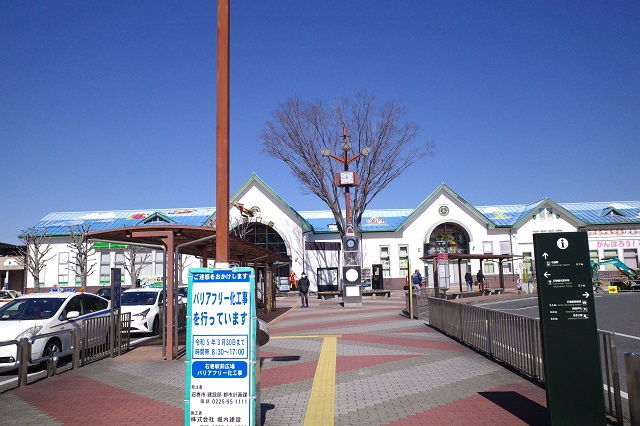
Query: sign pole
point(571, 355)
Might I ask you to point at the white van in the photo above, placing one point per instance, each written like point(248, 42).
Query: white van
point(41, 313)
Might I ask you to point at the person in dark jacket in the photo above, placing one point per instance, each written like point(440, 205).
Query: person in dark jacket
point(480, 277)
point(303, 287)
point(469, 280)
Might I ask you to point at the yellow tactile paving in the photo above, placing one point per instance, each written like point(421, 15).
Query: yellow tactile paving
point(320, 408)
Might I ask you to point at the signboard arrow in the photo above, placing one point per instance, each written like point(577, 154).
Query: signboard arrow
point(586, 295)
point(547, 275)
point(545, 255)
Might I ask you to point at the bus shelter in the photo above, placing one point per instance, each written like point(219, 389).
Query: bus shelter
point(458, 258)
point(200, 242)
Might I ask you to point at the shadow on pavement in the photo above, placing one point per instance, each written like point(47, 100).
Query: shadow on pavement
point(520, 406)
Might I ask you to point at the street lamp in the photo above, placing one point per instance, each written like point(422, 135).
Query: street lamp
point(346, 178)
point(351, 271)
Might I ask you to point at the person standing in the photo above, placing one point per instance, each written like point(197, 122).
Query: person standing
point(303, 287)
point(416, 279)
point(480, 277)
point(469, 280)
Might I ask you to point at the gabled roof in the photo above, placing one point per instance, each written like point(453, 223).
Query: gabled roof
point(444, 188)
point(254, 179)
point(57, 224)
point(624, 212)
point(515, 215)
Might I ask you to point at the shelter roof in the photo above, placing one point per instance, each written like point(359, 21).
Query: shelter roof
point(240, 251)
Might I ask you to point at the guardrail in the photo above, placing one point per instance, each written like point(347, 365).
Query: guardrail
point(97, 338)
point(515, 340)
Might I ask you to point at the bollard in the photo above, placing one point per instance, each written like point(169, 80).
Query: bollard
point(23, 361)
point(632, 365)
point(262, 337)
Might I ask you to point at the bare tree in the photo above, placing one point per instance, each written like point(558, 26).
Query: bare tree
point(299, 130)
point(134, 259)
point(34, 253)
point(83, 249)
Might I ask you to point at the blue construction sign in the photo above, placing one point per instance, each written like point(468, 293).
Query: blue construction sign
point(222, 374)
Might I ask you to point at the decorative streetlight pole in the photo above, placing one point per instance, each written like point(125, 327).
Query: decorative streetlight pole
point(346, 179)
point(351, 270)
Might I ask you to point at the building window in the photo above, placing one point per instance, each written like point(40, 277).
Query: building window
point(159, 263)
point(447, 238)
point(610, 254)
point(507, 267)
point(631, 258)
point(143, 260)
point(505, 247)
point(119, 263)
point(404, 260)
point(489, 268)
point(63, 268)
point(487, 247)
point(545, 214)
point(385, 261)
point(105, 268)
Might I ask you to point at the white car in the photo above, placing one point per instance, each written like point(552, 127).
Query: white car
point(7, 296)
point(41, 313)
point(146, 307)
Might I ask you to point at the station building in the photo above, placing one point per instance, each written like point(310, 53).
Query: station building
point(497, 239)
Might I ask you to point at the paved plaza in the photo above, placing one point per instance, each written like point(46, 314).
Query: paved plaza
point(324, 365)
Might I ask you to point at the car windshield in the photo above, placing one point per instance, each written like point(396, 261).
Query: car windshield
point(182, 291)
point(132, 298)
point(30, 309)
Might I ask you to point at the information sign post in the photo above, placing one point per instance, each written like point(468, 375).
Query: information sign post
point(569, 334)
point(223, 373)
point(116, 291)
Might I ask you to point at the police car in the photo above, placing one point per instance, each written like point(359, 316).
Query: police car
point(41, 313)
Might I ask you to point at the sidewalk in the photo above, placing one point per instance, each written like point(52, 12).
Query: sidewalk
point(355, 366)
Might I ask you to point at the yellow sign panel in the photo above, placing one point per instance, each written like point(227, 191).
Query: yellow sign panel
point(613, 289)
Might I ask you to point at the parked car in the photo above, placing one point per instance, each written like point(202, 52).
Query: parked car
point(183, 291)
point(145, 306)
point(7, 296)
point(104, 292)
point(41, 313)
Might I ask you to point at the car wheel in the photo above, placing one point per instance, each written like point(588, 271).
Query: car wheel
point(53, 347)
point(156, 326)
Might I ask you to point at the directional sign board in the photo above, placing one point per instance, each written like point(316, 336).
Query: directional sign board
point(221, 348)
point(569, 333)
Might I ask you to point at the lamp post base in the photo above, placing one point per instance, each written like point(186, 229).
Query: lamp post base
point(352, 295)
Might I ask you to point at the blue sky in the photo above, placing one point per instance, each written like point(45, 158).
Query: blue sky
point(111, 105)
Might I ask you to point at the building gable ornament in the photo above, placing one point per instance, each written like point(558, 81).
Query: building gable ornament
point(443, 210)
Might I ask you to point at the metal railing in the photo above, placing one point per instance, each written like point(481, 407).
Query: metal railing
point(516, 340)
point(97, 338)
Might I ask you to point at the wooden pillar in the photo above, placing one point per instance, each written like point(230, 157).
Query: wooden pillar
point(205, 257)
point(222, 136)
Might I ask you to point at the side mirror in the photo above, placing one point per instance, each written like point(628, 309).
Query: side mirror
point(73, 314)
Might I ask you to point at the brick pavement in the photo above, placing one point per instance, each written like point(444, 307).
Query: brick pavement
point(389, 370)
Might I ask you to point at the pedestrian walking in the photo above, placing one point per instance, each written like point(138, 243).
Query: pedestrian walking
point(303, 287)
point(480, 278)
point(469, 280)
